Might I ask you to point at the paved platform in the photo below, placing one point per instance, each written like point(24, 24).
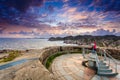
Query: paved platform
point(69, 67)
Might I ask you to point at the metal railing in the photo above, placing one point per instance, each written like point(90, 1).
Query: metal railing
point(83, 52)
point(97, 60)
point(103, 56)
point(111, 61)
point(86, 51)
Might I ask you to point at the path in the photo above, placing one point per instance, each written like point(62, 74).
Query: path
point(14, 63)
point(69, 67)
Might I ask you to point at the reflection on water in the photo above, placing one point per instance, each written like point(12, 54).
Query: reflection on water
point(10, 43)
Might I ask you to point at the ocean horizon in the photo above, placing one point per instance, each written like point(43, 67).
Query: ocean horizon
point(28, 43)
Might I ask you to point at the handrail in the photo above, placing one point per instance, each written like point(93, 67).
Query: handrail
point(97, 60)
point(111, 58)
point(107, 57)
point(96, 56)
point(83, 52)
point(101, 55)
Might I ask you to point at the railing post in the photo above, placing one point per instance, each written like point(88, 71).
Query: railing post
point(83, 52)
point(87, 51)
point(97, 60)
point(111, 59)
point(109, 62)
point(116, 68)
point(105, 58)
point(101, 53)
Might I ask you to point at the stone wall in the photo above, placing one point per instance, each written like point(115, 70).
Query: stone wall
point(46, 52)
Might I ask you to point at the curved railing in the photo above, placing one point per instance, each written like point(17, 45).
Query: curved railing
point(86, 51)
point(103, 56)
point(97, 60)
point(112, 62)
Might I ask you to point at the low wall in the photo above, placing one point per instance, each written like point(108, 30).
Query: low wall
point(46, 52)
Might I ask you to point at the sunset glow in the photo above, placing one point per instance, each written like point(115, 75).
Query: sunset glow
point(47, 18)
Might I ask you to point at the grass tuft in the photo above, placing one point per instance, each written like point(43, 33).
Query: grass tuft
point(12, 55)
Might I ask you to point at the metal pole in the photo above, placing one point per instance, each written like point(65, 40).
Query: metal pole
point(87, 51)
point(109, 62)
point(83, 52)
point(116, 68)
point(101, 54)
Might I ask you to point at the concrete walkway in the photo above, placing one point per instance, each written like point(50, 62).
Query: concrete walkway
point(69, 67)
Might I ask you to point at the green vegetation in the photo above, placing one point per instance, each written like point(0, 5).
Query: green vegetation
point(51, 58)
point(11, 55)
point(75, 52)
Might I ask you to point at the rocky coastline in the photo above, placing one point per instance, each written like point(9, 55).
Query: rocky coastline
point(110, 41)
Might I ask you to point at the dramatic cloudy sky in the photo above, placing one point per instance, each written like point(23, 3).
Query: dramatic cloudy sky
point(46, 18)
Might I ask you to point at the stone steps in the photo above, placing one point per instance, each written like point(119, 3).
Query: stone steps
point(104, 70)
point(107, 74)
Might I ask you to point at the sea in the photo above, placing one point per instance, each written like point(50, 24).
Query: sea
point(28, 43)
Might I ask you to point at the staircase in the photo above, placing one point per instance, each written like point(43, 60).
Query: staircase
point(105, 70)
point(106, 65)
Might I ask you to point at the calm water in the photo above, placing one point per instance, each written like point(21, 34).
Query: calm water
point(21, 44)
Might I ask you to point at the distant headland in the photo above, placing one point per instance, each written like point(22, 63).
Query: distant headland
point(102, 41)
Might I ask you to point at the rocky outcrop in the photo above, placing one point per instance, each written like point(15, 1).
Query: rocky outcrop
point(114, 53)
point(102, 41)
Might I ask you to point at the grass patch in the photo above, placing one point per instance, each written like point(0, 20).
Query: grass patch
point(12, 55)
point(75, 52)
point(51, 58)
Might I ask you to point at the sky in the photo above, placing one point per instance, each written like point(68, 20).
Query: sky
point(52, 18)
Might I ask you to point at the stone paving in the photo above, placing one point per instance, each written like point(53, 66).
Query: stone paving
point(69, 67)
